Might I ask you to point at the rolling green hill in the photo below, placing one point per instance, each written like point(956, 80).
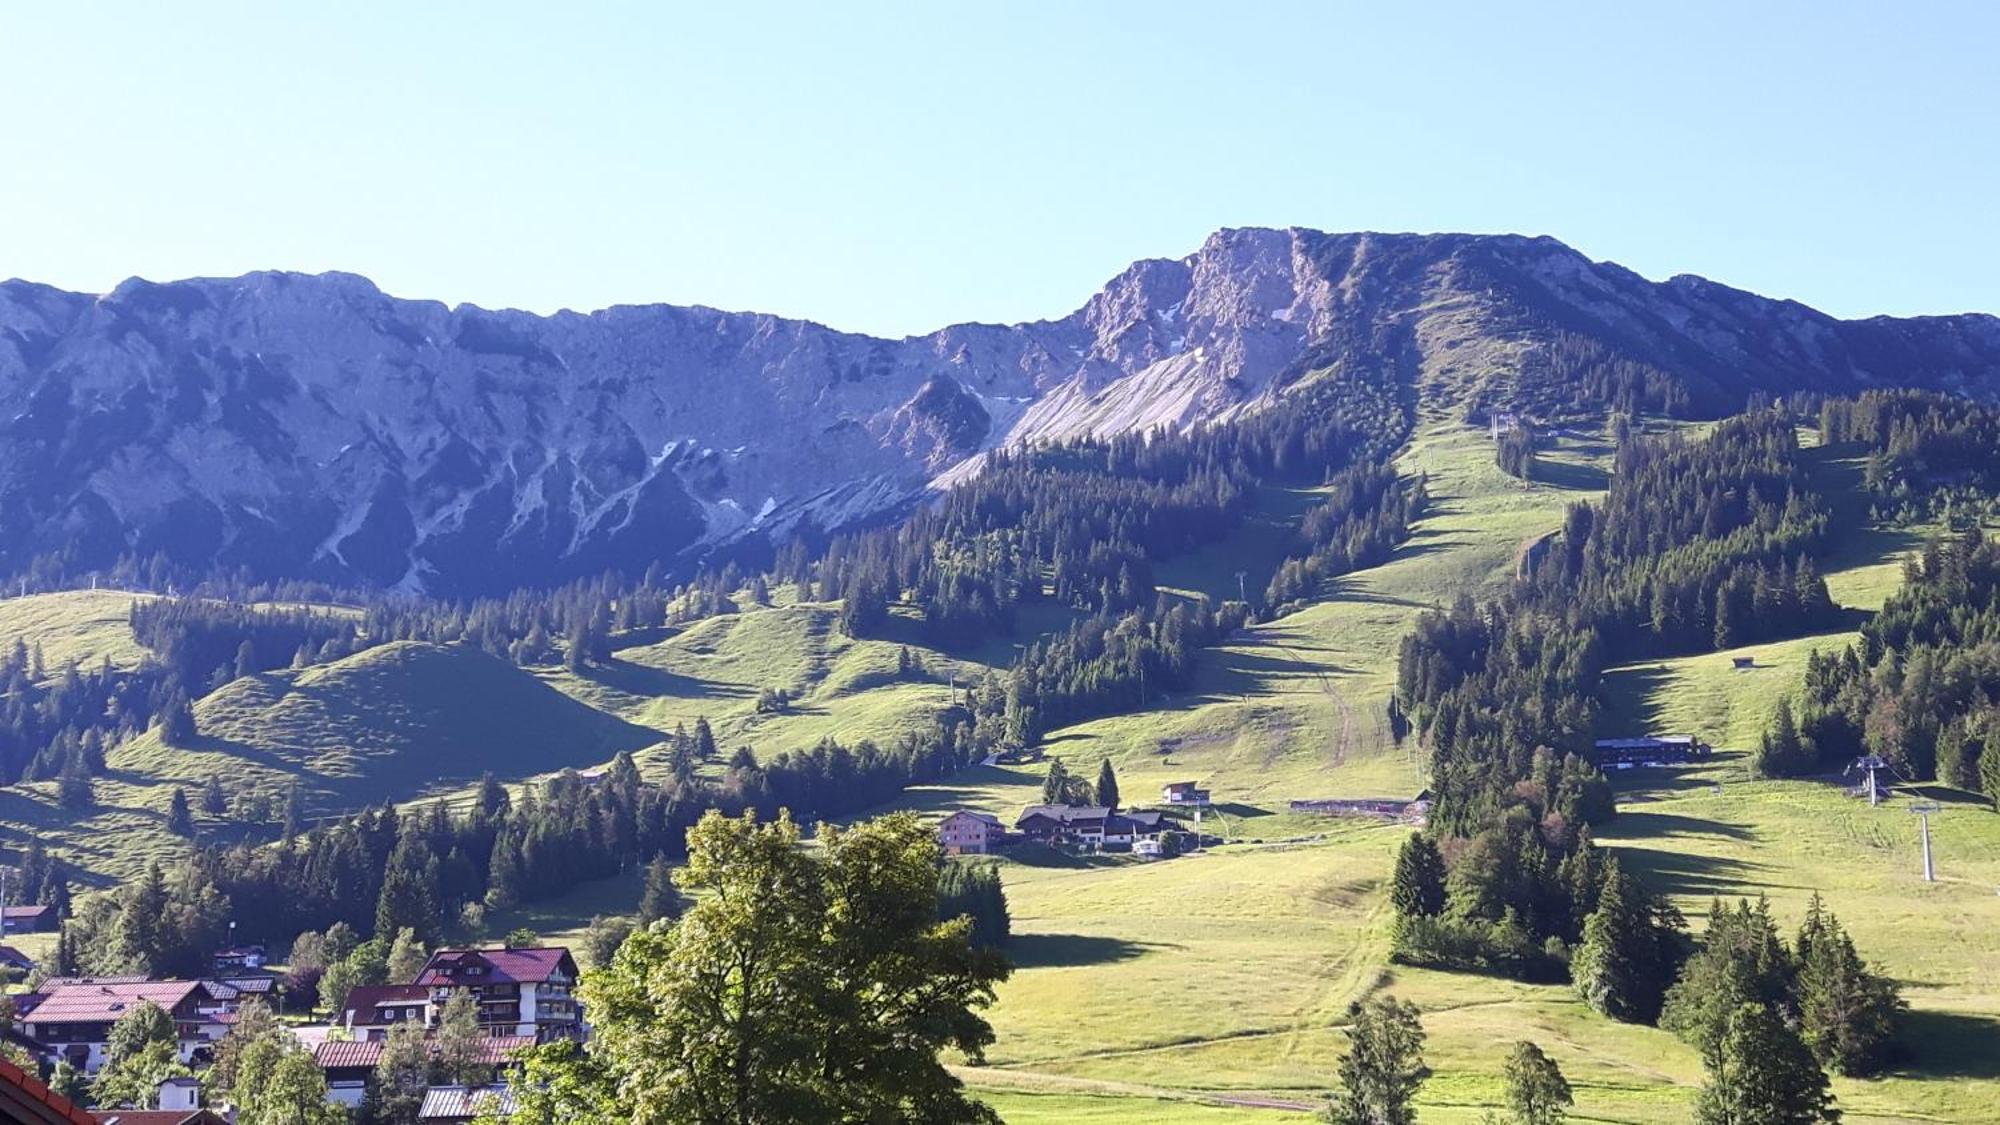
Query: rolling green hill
point(388, 722)
point(86, 626)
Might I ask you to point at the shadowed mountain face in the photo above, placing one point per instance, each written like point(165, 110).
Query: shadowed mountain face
point(311, 426)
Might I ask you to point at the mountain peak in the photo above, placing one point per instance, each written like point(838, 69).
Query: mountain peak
point(302, 424)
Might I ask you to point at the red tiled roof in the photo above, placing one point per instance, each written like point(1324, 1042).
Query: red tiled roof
point(524, 966)
point(155, 1116)
point(104, 1003)
point(23, 911)
point(341, 1054)
point(24, 1099)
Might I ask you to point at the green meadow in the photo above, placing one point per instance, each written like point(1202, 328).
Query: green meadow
point(1210, 989)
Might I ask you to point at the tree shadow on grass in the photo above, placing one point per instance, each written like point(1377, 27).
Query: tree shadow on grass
point(1042, 855)
point(1702, 876)
point(1639, 824)
point(1950, 1045)
point(649, 681)
point(1046, 951)
point(1570, 476)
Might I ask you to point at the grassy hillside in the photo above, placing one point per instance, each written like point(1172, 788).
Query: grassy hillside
point(388, 722)
point(1230, 973)
point(391, 722)
point(87, 626)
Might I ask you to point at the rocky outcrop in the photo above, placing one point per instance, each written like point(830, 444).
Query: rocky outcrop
point(313, 426)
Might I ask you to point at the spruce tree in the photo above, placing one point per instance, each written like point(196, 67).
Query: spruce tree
point(180, 818)
point(1741, 961)
point(1617, 970)
point(1762, 1074)
point(1989, 774)
point(1848, 1016)
point(1781, 752)
point(1055, 786)
point(212, 800)
point(660, 899)
point(1383, 1066)
point(1537, 1092)
point(1418, 889)
point(1107, 786)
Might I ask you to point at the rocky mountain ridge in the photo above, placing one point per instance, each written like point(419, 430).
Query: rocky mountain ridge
point(312, 426)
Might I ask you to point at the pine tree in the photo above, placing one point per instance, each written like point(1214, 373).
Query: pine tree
point(176, 722)
point(1848, 1016)
point(1989, 774)
point(1762, 1074)
point(294, 811)
point(1055, 786)
point(704, 740)
point(1107, 786)
point(505, 875)
point(1537, 1092)
point(493, 799)
point(1383, 1066)
point(1418, 889)
point(180, 818)
point(660, 899)
point(75, 791)
point(213, 802)
point(1781, 753)
point(1741, 961)
point(1617, 970)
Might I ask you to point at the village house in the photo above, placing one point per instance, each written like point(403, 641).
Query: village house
point(525, 992)
point(239, 959)
point(372, 1009)
point(1185, 793)
point(73, 1020)
point(970, 833)
point(1653, 750)
point(27, 919)
point(14, 959)
point(1088, 825)
point(348, 1064)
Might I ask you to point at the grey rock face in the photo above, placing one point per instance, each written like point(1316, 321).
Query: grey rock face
point(312, 426)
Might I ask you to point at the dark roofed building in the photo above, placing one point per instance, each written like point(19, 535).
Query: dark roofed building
point(1089, 824)
point(1652, 750)
point(520, 991)
point(27, 919)
point(372, 1009)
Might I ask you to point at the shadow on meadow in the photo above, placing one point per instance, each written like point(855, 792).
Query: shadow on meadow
point(1046, 951)
point(1951, 1045)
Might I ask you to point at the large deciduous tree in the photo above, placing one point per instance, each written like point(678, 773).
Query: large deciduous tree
point(797, 988)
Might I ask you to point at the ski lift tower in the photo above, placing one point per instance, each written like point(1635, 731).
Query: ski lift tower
point(1871, 765)
point(1924, 809)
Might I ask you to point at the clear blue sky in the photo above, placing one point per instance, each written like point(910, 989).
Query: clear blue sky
point(892, 169)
